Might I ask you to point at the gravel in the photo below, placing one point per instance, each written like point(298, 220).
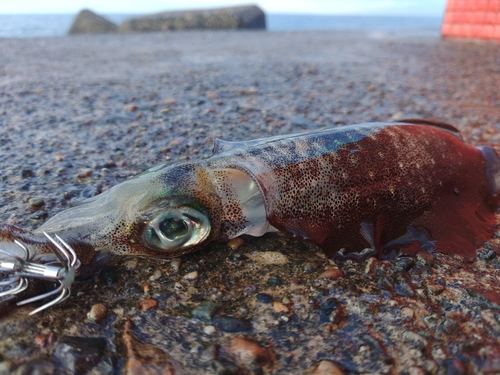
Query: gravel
point(92, 111)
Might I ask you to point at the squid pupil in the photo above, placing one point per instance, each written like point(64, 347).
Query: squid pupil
point(174, 228)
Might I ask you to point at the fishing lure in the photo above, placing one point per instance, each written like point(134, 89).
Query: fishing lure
point(356, 191)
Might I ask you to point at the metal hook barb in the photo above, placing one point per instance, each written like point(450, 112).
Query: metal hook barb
point(22, 269)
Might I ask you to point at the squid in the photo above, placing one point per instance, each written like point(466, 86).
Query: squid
point(375, 189)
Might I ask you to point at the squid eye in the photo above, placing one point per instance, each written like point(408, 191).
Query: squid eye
point(174, 228)
point(177, 228)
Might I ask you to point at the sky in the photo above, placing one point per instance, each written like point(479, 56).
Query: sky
point(369, 7)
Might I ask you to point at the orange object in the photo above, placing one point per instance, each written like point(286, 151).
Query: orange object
point(477, 19)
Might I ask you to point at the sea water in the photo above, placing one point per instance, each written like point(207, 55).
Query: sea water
point(43, 25)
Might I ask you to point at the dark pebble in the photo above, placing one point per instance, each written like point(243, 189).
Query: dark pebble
point(25, 173)
point(237, 256)
point(77, 355)
point(485, 253)
point(205, 311)
point(309, 267)
point(403, 264)
point(38, 215)
point(250, 289)
point(264, 298)
point(109, 275)
point(333, 311)
point(274, 280)
point(232, 325)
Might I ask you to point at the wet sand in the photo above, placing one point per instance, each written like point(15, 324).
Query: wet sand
point(95, 110)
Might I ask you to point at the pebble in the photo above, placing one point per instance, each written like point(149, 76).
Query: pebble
point(268, 257)
point(205, 311)
point(175, 264)
point(209, 330)
point(191, 276)
point(77, 355)
point(309, 267)
point(424, 258)
point(156, 275)
point(36, 203)
point(250, 289)
point(264, 298)
point(331, 274)
point(333, 311)
point(279, 307)
point(148, 303)
point(235, 243)
point(98, 312)
point(38, 215)
point(131, 264)
point(85, 173)
point(325, 368)
point(249, 353)
point(407, 312)
point(274, 280)
point(229, 324)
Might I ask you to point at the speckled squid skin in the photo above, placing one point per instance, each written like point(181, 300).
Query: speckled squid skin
point(326, 186)
point(358, 191)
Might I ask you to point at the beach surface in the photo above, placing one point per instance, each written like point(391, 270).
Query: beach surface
point(95, 110)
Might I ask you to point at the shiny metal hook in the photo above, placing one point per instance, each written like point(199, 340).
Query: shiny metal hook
point(23, 269)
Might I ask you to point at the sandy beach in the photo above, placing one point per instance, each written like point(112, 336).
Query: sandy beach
point(95, 110)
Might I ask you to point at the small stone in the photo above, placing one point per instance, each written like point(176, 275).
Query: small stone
point(333, 311)
point(146, 288)
point(164, 111)
point(205, 311)
point(156, 275)
point(325, 368)
point(132, 108)
point(392, 303)
point(403, 264)
point(424, 258)
point(77, 355)
point(85, 173)
point(279, 307)
point(175, 264)
point(98, 312)
point(250, 289)
point(235, 243)
point(191, 276)
point(25, 173)
point(229, 324)
point(407, 312)
point(249, 353)
point(148, 303)
point(331, 274)
point(36, 203)
point(274, 280)
point(38, 215)
point(212, 95)
point(131, 264)
point(209, 330)
point(309, 267)
point(370, 267)
point(268, 257)
point(170, 101)
point(264, 298)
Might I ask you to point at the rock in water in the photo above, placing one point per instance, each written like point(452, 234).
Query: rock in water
point(240, 17)
point(87, 22)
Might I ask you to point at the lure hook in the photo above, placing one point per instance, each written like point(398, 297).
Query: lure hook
point(22, 269)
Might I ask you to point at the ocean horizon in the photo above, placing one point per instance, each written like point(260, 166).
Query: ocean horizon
point(56, 25)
